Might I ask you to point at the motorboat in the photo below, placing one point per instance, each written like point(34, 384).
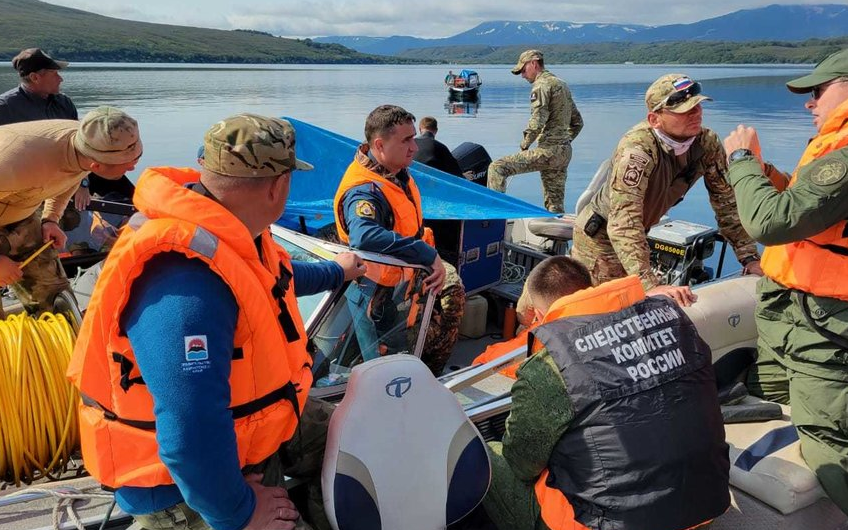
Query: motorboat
point(466, 84)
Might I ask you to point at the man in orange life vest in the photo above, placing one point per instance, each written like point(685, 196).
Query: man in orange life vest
point(593, 439)
point(192, 360)
point(802, 315)
point(378, 208)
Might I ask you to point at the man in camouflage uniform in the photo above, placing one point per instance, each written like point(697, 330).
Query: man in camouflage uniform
point(654, 165)
point(802, 312)
point(44, 162)
point(554, 122)
point(365, 213)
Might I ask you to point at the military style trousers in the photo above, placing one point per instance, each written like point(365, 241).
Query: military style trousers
point(551, 161)
point(301, 457)
point(511, 503)
point(443, 331)
point(43, 278)
point(797, 365)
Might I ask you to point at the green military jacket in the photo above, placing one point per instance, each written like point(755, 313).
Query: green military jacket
point(554, 118)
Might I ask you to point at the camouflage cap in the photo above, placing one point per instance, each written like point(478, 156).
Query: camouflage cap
point(33, 59)
point(526, 57)
point(109, 136)
point(832, 67)
point(249, 145)
point(658, 94)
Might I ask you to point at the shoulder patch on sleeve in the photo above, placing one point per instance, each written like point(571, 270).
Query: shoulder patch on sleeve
point(635, 169)
point(365, 210)
point(829, 172)
point(533, 96)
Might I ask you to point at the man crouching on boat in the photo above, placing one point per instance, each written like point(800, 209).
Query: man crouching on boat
point(192, 358)
point(615, 421)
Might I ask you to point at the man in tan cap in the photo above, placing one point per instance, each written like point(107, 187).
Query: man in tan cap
point(44, 162)
point(554, 123)
point(197, 302)
point(654, 165)
point(38, 96)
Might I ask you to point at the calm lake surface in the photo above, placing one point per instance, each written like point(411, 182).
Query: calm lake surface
point(175, 104)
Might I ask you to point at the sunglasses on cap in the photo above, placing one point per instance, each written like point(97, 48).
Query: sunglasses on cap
point(676, 98)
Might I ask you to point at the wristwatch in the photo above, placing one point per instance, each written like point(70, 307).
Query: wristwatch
point(739, 154)
point(749, 259)
point(84, 183)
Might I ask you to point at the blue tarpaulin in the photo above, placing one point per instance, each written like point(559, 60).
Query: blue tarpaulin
point(443, 196)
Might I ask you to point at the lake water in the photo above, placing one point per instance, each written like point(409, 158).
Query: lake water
point(175, 104)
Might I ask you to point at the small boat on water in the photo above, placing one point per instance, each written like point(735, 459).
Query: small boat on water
point(466, 84)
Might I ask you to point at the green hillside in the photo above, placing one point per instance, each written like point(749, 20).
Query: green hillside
point(810, 51)
point(77, 35)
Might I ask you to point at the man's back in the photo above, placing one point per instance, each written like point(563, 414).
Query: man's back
point(434, 153)
point(556, 98)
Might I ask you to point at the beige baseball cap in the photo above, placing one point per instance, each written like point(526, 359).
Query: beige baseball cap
point(526, 57)
point(674, 92)
point(249, 145)
point(109, 136)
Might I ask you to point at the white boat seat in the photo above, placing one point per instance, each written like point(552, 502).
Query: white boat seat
point(766, 463)
point(555, 228)
point(401, 452)
point(600, 177)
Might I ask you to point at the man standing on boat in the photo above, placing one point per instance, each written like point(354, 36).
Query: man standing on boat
point(652, 168)
point(38, 96)
point(554, 123)
point(192, 358)
point(599, 437)
point(802, 315)
point(43, 162)
point(378, 208)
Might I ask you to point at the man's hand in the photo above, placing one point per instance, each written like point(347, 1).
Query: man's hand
point(274, 510)
point(752, 267)
point(683, 295)
point(468, 174)
point(50, 230)
point(436, 280)
point(352, 265)
point(743, 138)
point(10, 271)
point(82, 198)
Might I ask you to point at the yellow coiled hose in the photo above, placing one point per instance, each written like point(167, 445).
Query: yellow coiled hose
point(38, 406)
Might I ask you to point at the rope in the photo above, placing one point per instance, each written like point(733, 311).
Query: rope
point(38, 406)
point(66, 498)
point(512, 272)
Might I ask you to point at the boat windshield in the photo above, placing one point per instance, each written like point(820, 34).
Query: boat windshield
point(309, 303)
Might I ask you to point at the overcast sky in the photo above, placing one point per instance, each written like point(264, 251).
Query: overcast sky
point(423, 18)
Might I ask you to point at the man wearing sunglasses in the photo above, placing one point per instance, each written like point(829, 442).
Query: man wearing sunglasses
point(652, 168)
point(802, 315)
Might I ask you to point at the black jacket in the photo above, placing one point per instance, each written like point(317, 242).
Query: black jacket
point(434, 153)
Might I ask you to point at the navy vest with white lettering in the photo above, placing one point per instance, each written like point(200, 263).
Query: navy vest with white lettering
point(646, 448)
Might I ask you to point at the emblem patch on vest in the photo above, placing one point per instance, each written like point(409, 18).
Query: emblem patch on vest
point(196, 348)
point(635, 169)
point(366, 210)
point(829, 173)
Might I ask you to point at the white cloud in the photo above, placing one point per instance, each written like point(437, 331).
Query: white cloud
point(436, 18)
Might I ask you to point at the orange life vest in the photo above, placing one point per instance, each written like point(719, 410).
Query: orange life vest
point(609, 297)
point(500, 349)
point(408, 218)
point(271, 369)
point(819, 264)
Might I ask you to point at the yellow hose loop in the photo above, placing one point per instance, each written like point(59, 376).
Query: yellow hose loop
point(38, 406)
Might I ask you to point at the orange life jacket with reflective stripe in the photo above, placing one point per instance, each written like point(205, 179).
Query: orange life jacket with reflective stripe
point(500, 349)
point(819, 264)
point(407, 215)
point(609, 297)
point(271, 369)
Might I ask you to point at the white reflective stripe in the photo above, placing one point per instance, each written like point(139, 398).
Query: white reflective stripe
point(137, 220)
point(204, 242)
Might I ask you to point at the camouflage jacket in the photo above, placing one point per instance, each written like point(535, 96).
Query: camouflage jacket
point(647, 179)
point(554, 118)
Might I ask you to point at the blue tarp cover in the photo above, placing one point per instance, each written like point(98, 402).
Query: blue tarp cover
point(444, 196)
point(467, 73)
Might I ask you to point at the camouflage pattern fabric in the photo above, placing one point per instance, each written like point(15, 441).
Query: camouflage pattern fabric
point(109, 136)
point(554, 123)
point(249, 145)
point(43, 278)
point(644, 184)
point(300, 457)
point(443, 331)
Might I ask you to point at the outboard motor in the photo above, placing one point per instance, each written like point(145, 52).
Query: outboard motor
point(678, 251)
point(473, 157)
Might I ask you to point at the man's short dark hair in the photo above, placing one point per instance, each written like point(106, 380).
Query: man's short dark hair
point(428, 123)
point(556, 277)
point(382, 119)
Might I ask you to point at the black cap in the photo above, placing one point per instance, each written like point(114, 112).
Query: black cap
point(33, 59)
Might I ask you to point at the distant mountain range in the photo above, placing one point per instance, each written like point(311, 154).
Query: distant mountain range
point(774, 22)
